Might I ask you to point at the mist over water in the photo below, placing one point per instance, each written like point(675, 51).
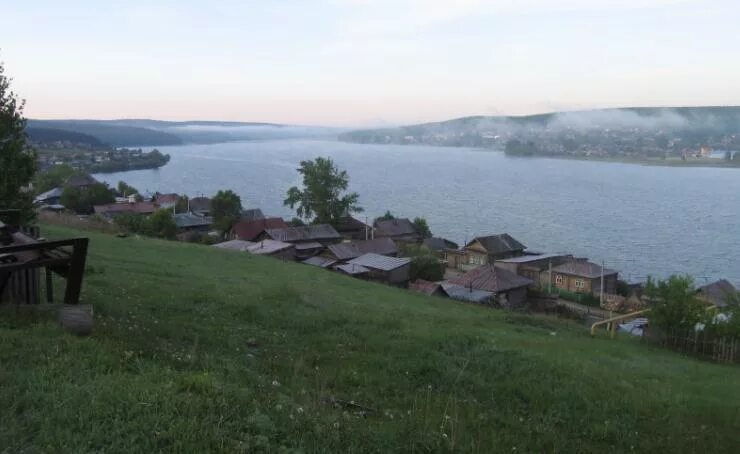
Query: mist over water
point(641, 220)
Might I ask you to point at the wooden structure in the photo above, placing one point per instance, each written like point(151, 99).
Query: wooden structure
point(23, 255)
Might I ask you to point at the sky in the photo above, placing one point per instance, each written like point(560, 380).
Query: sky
point(366, 62)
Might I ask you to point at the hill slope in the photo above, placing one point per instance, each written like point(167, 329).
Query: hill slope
point(200, 350)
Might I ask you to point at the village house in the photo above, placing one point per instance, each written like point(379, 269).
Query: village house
point(166, 200)
point(717, 293)
point(267, 248)
point(353, 229)
point(439, 245)
point(347, 251)
point(487, 249)
point(190, 222)
point(250, 230)
point(508, 289)
point(390, 270)
point(582, 276)
point(400, 230)
point(80, 181)
point(200, 205)
point(323, 234)
point(534, 267)
point(466, 294)
point(427, 288)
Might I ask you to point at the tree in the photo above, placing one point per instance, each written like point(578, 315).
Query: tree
point(182, 204)
point(422, 228)
point(424, 263)
point(83, 200)
point(124, 190)
point(17, 158)
point(296, 222)
point(675, 306)
point(52, 178)
point(321, 199)
point(388, 216)
point(226, 209)
point(161, 224)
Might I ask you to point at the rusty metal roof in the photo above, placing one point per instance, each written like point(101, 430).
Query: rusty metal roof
point(380, 262)
point(490, 279)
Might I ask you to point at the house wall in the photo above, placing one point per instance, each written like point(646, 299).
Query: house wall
point(399, 275)
point(585, 285)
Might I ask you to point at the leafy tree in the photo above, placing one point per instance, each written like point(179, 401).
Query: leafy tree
point(52, 178)
point(424, 263)
point(321, 199)
point(83, 200)
point(17, 158)
point(124, 190)
point(388, 216)
point(296, 222)
point(422, 228)
point(161, 224)
point(226, 209)
point(675, 306)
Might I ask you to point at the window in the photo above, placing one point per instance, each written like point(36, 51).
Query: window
point(559, 279)
point(579, 284)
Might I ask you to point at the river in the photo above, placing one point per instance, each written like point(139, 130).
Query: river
point(641, 220)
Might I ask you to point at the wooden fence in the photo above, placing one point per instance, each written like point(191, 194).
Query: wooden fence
point(697, 343)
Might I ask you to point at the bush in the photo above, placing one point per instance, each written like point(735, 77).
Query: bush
point(674, 304)
point(424, 263)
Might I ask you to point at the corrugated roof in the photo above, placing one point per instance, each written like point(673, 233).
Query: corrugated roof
point(491, 279)
point(266, 247)
point(234, 245)
point(50, 194)
point(461, 293)
point(347, 251)
point(350, 224)
point(319, 261)
point(439, 244)
point(306, 233)
point(395, 227)
point(185, 220)
point(530, 258)
point(582, 268)
point(380, 262)
point(250, 230)
point(423, 286)
point(499, 244)
point(309, 245)
point(353, 269)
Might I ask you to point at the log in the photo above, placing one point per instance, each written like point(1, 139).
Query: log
point(76, 318)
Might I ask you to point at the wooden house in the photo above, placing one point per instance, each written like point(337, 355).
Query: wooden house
point(487, 249)
point(349, 250)
point(401, 230)
point(390, 270)
point(534, 267)
point(507, 289)
point(250, 230)
point(582, 276)
point(353, 229)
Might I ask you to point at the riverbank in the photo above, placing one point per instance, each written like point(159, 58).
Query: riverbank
point(656, 162)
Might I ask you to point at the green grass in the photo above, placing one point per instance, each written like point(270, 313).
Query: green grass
point(200, 350)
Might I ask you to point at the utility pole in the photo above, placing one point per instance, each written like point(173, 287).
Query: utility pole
point(366, 226)
point(549, 277)
point(601, 294)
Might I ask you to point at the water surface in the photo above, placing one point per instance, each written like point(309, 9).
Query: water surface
point(640, 219)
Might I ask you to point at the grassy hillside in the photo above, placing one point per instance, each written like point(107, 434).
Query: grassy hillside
point(199, 350)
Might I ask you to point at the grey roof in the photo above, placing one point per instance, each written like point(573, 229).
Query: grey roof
point(718, 292)
point(530, 258)
point(80, 180)
point(252, 214)
point(50, 194)
point(200, 204)
point(491, 279)
point(309, 245)
point(351, 268)
point(499, 244)
point(319, 261)
point(306, 233)
point(346, 251)
point(461, 293)
point(380, 262)
point(395, 227)
point(264, 247)
point(582, 268)
point(185, 220)
point(234, 245)
point(439, 244)
point(350, 224)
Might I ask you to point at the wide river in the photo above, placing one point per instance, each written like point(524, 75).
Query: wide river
point(640, 220)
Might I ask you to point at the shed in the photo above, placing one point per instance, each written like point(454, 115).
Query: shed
point(391, 270)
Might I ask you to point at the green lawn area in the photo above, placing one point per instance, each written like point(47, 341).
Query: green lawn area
point(197, 349)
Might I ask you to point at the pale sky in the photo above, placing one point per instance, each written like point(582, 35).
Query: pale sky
point(366, 62)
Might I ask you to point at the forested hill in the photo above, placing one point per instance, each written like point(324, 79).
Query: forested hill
point(48, 135)
point(654, 128)
point(145, 132)
point(109, 133)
